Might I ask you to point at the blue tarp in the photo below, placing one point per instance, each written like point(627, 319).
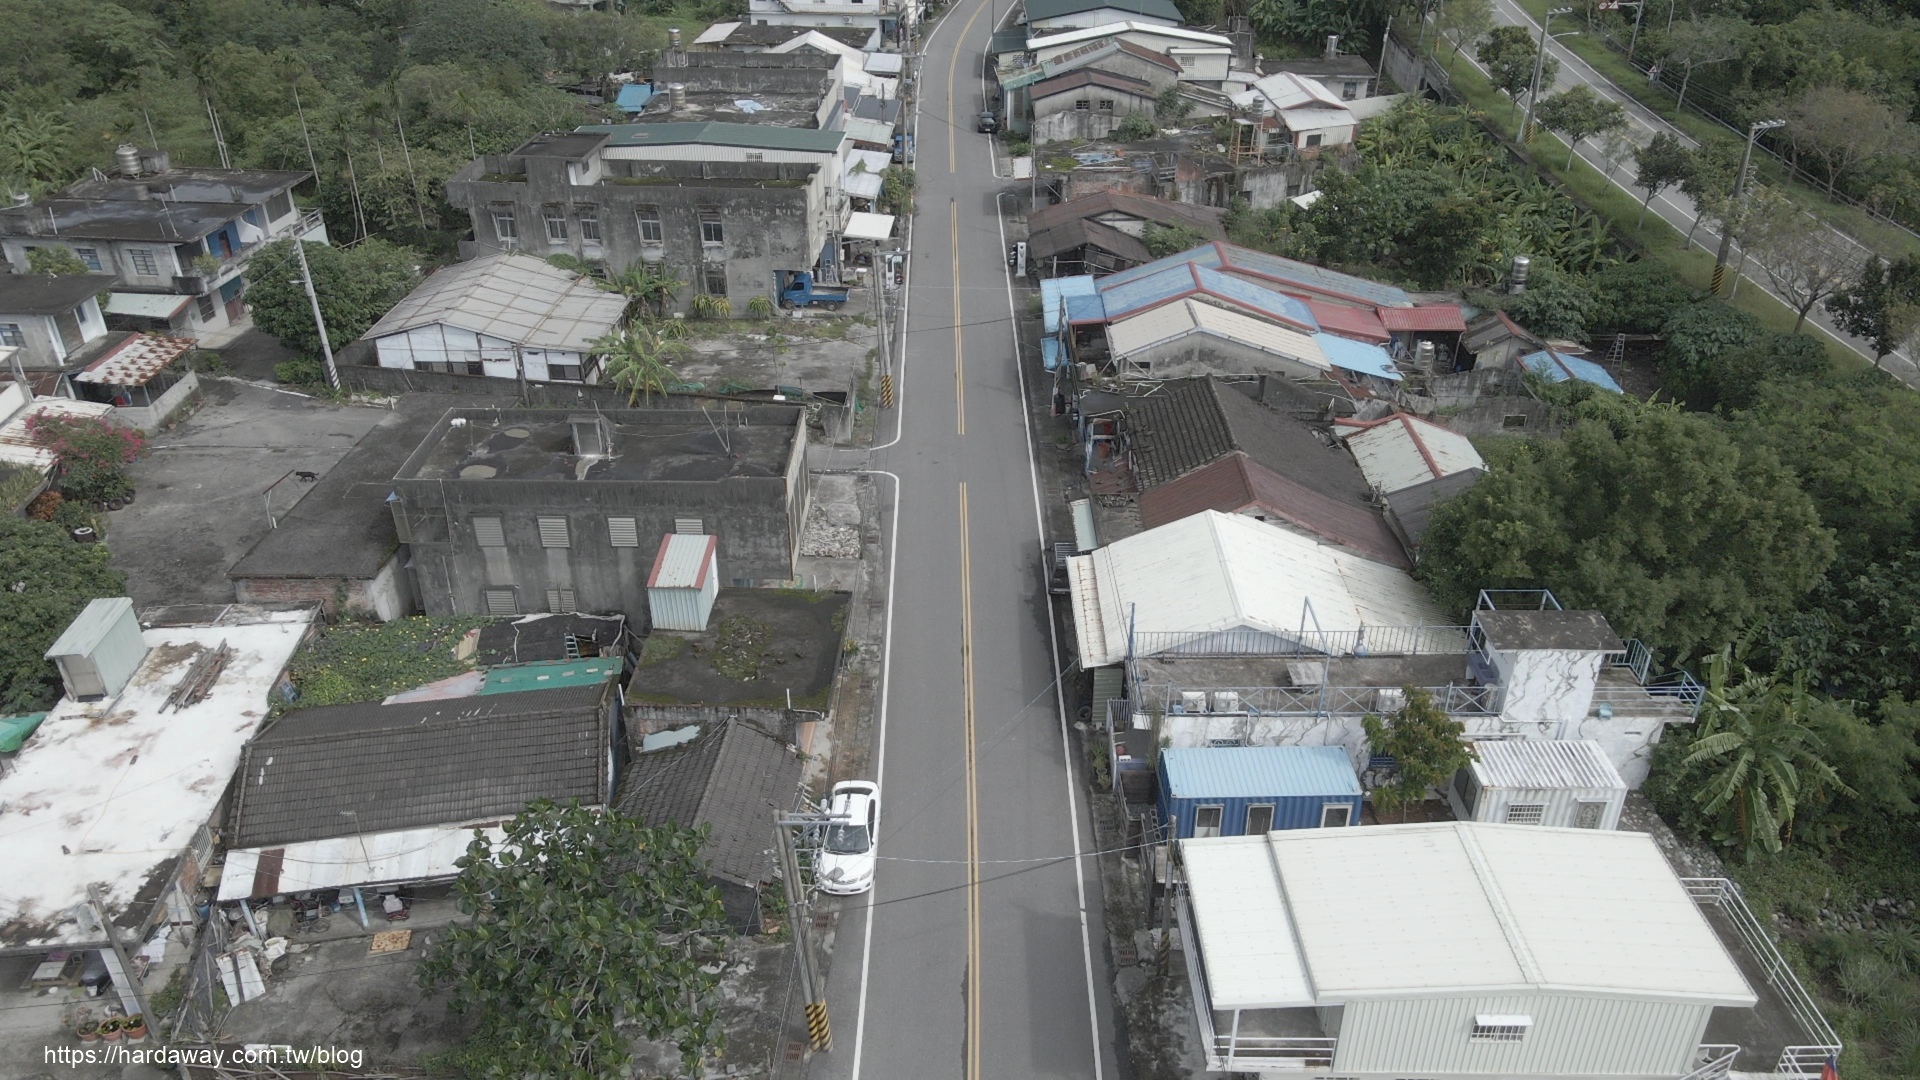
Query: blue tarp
point(1349, 355)
point(1559, 367)
point(1049, 353)
point(1053, 295)
point(633, 97)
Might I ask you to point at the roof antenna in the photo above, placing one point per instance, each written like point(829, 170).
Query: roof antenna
point(719, 431)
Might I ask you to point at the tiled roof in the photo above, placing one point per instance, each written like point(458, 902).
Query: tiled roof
point(730, 779)
point(1187, 423)
point(336, 770)
point(1083, 77)
point(135, 361)
point(719, 133)
point(1360, 324)
point(1054, 9)
point(1236, 482)
point(1082, 232)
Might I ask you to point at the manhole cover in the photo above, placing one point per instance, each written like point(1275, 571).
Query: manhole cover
point(478, 472)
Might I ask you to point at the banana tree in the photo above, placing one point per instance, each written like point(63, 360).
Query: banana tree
point(648, 289)
point(635, 359)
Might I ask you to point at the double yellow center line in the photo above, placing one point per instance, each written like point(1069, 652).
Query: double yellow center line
point(959, 363)
point(973, 809)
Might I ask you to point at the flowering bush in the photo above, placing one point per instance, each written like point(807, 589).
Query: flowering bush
point(91, 453)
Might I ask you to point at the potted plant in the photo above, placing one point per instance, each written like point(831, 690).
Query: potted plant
point(110, 1029)
point(88, 1030)
point(135, 1028)
point(206, 266)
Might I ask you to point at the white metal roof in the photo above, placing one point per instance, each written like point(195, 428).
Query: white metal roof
point(1402, 451)
point(864, 167)
point(717, 33)
point(864, 226)
point(124, 798)
point(345, 861)
point(1545, 765)
point(1170, 322)
point(683, 562)
point(1246, 934)
point(1115, 29)
point(1215, 571)
point(1305, 103)
point(874, 132)
point(1498, 908)
point(147, 305)
point(513, 297)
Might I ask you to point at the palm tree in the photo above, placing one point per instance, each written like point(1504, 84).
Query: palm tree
point(646, 287)
point(635, 360)
point(1759, 753)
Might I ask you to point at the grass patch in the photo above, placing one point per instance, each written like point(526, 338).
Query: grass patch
point(739, 645)
point(660, 648)
point(366, 661)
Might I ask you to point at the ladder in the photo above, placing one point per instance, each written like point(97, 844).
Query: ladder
point(1618, 351)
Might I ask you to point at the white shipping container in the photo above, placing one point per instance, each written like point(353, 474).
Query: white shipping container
point(1567, 784)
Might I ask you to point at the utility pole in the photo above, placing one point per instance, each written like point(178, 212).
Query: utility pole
point(319, 320)
point(1539, 68)
point(1385, 37)
point(133, 986)
point(819, 1029)
point(1736, 200)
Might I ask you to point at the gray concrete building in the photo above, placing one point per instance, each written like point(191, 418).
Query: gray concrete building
point(520, 510)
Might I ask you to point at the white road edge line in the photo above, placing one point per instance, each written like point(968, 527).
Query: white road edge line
point(1053, 659)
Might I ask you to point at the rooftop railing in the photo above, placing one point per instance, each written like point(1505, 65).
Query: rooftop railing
point(1802, 1060)
point(1312, 700)
point(1366, 641)
point(1232, 1052)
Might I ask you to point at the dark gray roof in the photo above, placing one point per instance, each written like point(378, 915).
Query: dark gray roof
point(571, 145)
point(168, 207)
point(1570, 631)
point(730, 779)
point(342, 527)
point(745, 33)
point(1054, 9)
point(1321, 66)
point(418, 764)
point(532, 638)
point(507, 445)
point(1411, 508)
point(49, 294)
point(1189, 423)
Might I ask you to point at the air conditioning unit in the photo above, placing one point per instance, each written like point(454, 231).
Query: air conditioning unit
point(1193, 701)
point(1226, 701)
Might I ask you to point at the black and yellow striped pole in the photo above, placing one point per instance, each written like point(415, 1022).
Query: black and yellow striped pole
point(819, 1031)
point(812, 987)
point(886, 390)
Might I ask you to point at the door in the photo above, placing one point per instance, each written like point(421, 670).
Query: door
point(1206, 821)
point(1336, 815)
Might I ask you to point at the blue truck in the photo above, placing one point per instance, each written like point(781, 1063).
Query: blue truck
point(800, 291)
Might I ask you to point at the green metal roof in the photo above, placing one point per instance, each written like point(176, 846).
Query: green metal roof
point(549, 675)
point(1053, 9)
point(715, 133)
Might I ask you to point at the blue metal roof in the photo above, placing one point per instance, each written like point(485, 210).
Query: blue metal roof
point(1086, 309)
point(1226, 772)
point(1137, 294)
point(1054, 293)
point(1559, 367)
point(1350, 355)
point(633, 97)
point(1283, 272)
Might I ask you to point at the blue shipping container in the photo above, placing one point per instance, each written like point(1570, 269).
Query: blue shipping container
point(1215, 791)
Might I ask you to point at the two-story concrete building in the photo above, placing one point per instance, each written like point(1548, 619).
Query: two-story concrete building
point(54, 321)
point(518, 510)
point(175, 232)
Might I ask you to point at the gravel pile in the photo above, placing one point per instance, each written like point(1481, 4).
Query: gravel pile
point(824, 540)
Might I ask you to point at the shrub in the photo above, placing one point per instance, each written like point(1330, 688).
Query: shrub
point(91, 452)
point(301, 372)
point(1135, 127)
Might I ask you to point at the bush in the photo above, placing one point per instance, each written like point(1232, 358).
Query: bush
point(45, 506)
point(1636, 297)
point(1135, 127)
point(302, 372)
point(90, 452)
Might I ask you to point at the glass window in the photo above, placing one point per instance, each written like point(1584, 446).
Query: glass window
point(1206, 821)
point(1313, 140)
point(1587, 815)
point(143, 262)
point(204, 305)
point(1259, 820)
point(563, 372)
point(91, 257)
point(503, 226)
point(589, 217)
point(711, 231)
point(1083, 105)
point(651, 231)
point(1500, 1028)
point(10, 335)
point(280, 206)
point(1336, 816)
point(1106, 104)
point(846, 838)
point(715, 279)
point(556, 218)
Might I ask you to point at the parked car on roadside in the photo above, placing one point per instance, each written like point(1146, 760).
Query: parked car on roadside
point(846, 860)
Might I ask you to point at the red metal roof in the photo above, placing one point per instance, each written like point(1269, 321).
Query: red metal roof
point(1361, 324)
point(1235, 483)
point(1428, 318)
point(136, 360)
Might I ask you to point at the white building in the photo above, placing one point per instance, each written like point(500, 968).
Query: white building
point(889, 19)
point(1564, 783)
point(1203, 57)
point(508, 316)
point(1452, 950)
point(1302, 112)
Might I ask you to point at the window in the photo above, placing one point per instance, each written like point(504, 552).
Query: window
point(503, 226)
point(280, 206)
point(689, 526)
point(560, 600)
point(589, 218)
point(556, 218)
point(1488, 1028)
point(91, 257)
point(10, 335)
point(649, 219)
point(711, 231)
point(1587, 815)
point(756, 155)
point(204, 305)
point(1513, 421)
point(1336, 815)
point(553, 532)
point(1313, 140)
point(1526, 814)
point(487, 532)
point(1206, 821)
point(501, 601)
point(143, 262)
point(1226, 742)
point(1082, 105)
point(1260, 819)
point(714, 279)
point(1106, 104)
point(1349, 91)
point(623, 532)
point(563, 372)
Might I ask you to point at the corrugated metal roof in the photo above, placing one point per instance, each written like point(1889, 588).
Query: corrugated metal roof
point(146, 305)
point(1360, 324)
point(717, 133)
point(1429, 318)
point(1502, 908)
point(1555, 366)
point(1541, 764)
point(1293, 273)
point(1401, 451)
point(1350, 355)
point(1105, 30)
point(683, 561)
point(1054, 293)
point(1246, 934)
point(549, 675)
point(513, 297)
point(877, 132)
point(862, 179)
point(407, 855)
point(1138, 292)
point(1230, 772)
point(1215, 571)
point(1237, 483)
point(1054, 9)
point(90, 626)
point(136, 360)
point(1169, 322)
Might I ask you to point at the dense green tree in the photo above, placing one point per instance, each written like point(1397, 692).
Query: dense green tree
point(1555, 305)
point(584, 928)
point(1697, 335)
point(46, 581)
point(1579, 113)
point(1678, 532)
point(1508, 54)
point(1427, 747)
point(1709, 181)
point(1842, 129)
point(1164, 240)
point(1463, 22)
point(1660, 164)
point(639, 359)
point(1134, 127)
point(1636, 297)
point(1880, 305)
point(1801, 255)
point(54, 260)
point(355, 285)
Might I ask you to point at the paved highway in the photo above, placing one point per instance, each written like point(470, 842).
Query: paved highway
point(977, 954)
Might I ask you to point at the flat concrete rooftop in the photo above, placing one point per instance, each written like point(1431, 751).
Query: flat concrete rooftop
point(1206, 672)
point(686, 445)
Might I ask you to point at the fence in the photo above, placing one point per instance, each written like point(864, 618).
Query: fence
point(1801, 1060)
point(1366, 641)
point(203, 1002)
point(1315, 700)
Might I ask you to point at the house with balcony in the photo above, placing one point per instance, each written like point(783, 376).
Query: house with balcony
point(1471, 949)
point(184, 233)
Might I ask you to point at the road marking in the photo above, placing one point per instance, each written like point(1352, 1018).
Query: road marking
point(973, 807)
point(879, 759)
point(959, 363)
point(953, 69)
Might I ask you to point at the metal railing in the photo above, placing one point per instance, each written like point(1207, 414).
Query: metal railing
point(1226, 1053)
point(1315, 700)
point(1725, 895)
point(1366, 641)
point(1716, 1061)
point(1517, 600)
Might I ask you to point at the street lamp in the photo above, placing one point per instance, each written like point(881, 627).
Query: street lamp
point(1737, 198)
point(1539, 66)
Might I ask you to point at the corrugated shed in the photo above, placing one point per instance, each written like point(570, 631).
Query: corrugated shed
point(513, 297)
point(1555, 366)
point(1170, 322)
point(1138, 292)
point(1086, 233)
point(96, 623)
point(406, 856)
point(1427, 318)
point(1546, 763)
point(1360, 324)
point(1357, 356)
point(1054, 293)
point(1246, 933)
point(682, 561)
point(863, 179)
point(1247, 771)
point(1401, 451)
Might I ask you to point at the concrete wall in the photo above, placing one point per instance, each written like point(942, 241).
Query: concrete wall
point(1548, 685)
point(1572, 1035)
point(387, 596)
point(40, 345)
point(151, 418)
point(1056, 117)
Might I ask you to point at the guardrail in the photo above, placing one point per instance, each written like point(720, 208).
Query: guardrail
point(1315, 700)
point(1366, 641)
point(1255, 1052)
point(1725, 895)
point(1716, 1061)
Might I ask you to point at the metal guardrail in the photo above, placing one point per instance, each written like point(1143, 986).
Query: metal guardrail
point(1725, 895)
point(1716, 1061)
point(1366, 641)
point(1316, 700)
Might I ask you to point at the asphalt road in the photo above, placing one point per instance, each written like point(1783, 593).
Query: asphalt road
point(975, 954)
point(1672, 205)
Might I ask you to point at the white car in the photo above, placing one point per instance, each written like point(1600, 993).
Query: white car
point(844, 865)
